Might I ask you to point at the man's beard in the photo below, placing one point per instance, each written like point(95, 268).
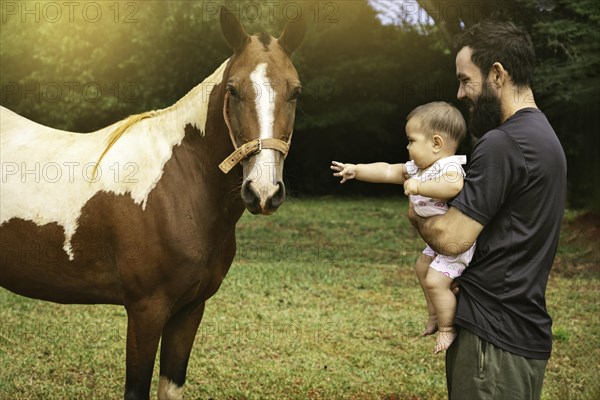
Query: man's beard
point(485, 112)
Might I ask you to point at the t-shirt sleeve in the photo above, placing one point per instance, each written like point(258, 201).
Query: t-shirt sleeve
point(496, 171)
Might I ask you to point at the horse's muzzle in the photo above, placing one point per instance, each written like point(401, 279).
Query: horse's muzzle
point(262, 199)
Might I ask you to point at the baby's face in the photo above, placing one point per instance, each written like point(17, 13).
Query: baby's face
point(420, 145)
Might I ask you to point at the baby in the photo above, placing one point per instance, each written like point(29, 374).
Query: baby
point(433, 176)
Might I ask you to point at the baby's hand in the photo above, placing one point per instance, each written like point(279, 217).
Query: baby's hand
point(411, 186)
point(346, 171)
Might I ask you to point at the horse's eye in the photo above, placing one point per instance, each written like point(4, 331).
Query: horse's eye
point(296, 94)
point(233, 91)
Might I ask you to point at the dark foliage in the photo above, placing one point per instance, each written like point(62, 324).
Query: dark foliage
point(360, 78)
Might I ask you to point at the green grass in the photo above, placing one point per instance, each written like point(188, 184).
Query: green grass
point(321, 303)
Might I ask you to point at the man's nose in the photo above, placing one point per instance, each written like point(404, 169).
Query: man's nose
point(461, 93)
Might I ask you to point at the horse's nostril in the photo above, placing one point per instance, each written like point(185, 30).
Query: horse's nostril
point(250, 197)
point(278, 197)
point(245, 188)
point(248, 192)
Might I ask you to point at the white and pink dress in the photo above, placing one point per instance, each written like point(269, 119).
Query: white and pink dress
point(451, 266)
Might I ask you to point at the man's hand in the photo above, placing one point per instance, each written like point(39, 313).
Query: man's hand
point(346, 171)
point(455, 287)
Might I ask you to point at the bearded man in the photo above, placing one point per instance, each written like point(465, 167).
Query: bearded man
point(512, 204)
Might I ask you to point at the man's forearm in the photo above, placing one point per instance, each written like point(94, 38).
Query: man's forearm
point(429, 231)
point(438, 235)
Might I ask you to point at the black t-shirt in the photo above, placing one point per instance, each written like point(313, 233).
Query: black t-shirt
point(516, 188)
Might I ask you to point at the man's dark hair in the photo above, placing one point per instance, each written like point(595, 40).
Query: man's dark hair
point(503, 42)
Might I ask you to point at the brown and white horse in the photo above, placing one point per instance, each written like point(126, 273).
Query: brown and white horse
point(139, 213)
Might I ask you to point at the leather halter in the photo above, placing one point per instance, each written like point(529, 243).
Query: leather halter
point(249, 148)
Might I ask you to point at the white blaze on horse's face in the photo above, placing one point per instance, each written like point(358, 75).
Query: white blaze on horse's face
point(265, 100)
point(263, 172)
point(263, 190)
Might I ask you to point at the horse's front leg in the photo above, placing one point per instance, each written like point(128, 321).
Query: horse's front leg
point(177, 341)
point(145, 322)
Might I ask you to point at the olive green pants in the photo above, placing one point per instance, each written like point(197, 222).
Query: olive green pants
point(478, 370)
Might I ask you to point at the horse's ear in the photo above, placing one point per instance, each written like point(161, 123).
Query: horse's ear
point(293, 35)
point(232, 30)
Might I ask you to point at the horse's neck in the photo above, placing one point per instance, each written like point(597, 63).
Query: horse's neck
point(199, 113)
point(204, 145)
point(195, 105)
point(209, 140)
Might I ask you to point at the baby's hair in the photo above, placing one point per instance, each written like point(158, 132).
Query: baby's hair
point(440, 117)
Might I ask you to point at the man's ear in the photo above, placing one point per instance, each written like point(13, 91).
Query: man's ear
point(498, 75)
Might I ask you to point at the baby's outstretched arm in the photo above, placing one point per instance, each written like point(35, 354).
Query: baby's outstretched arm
point(446, 187)
point(376, 172)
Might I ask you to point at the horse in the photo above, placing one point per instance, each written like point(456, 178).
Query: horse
point(142, 213)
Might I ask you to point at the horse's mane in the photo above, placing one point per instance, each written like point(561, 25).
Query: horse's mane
point(117, 133)
point(134, 119)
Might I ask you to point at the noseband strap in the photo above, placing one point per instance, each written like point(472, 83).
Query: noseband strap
point(249, 148)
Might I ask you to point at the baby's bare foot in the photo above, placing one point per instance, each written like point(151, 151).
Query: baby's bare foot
point(445, 338)
point(431, 326)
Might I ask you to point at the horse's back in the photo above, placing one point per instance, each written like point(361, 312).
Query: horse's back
point(43, 170)
point(70, 223)
point(11, 122)
point(44, 187)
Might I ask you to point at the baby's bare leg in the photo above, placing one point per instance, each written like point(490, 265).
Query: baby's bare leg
point(421, 268)
point(444, 303)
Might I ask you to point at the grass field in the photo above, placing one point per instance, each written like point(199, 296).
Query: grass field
point(321, 303)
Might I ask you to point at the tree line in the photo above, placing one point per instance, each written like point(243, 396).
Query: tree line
point(82, 66)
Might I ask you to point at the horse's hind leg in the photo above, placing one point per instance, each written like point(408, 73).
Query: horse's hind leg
point(145, 321)
point(177, 340)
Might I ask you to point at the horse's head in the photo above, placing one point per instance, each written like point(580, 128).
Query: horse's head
point(262, 87)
